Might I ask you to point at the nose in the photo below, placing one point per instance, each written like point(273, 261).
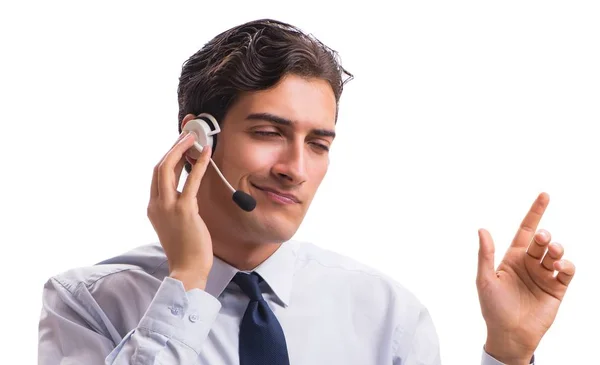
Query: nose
point(290, 168)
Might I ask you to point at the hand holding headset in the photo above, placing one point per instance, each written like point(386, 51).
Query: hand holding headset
point(205, 128)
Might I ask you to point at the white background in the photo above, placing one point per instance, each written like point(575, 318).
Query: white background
point(460, 113)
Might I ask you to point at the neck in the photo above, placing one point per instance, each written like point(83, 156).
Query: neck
point(234, 240)
point(245, 256)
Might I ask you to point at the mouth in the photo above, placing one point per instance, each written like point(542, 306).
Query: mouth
point(278, 196)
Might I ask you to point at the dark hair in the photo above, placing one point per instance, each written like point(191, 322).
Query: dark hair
point(250, 57)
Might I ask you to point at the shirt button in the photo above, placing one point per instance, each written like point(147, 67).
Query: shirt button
point(193, 317)
point(175, 310)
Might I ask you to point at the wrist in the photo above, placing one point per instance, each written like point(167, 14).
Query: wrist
point(190, 279)
point(507, 351)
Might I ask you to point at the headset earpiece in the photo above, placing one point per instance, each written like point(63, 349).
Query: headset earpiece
point(205, 127)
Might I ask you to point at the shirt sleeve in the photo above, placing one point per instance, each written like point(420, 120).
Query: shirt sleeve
point(417, 344)
point(172, 330)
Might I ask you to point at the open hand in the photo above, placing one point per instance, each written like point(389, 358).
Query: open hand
point(520, 299)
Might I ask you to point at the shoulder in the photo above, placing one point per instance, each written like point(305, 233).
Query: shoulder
point(143, 263)
point(109, 297)
point(363, 297)
point(368, 285)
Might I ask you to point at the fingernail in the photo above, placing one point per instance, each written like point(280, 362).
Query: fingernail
point(543, 234)
point(187, 135)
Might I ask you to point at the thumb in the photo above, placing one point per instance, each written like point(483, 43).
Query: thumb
point(485, 267)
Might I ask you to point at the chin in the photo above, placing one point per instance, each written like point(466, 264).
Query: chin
point(275, 229)
point(279, 234)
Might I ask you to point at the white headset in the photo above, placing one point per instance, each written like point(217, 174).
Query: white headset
point(205, 127)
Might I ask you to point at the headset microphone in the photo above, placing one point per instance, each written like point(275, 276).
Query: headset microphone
point(205, 127)
point(242, 199)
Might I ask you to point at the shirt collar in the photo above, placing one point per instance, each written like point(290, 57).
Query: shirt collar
point(277, 271)
point(219, 277)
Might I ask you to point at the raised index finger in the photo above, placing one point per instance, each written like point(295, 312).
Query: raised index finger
point(530, 223)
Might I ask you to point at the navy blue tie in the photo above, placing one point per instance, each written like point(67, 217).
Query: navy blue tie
point(262, 341)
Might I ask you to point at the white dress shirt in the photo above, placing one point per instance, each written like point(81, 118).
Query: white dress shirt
point(333, 310)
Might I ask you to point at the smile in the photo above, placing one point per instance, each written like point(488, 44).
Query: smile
point(278, 196)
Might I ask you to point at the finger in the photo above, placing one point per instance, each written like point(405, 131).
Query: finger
point(530, 223)
point(485, 267)
point(555, 252)
point(190, 189)
point(566, 271)
point(181, 135)
point(154, 183)
point(179, 170)
point(539, 244)
point(167, 183)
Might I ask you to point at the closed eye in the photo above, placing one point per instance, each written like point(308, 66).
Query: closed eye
point(321, 146)
point(266, 133)
point(260, 133)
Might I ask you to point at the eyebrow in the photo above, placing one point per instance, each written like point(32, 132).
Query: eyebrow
point(286, 122)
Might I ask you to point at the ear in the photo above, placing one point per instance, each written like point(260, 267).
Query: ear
point(185, 120)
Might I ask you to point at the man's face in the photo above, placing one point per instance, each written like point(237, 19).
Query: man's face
point(274, 146)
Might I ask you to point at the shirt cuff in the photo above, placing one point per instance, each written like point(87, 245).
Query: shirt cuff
point(487, 359)
point(183, 316)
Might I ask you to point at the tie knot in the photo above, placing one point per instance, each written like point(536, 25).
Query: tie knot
point(249, 284)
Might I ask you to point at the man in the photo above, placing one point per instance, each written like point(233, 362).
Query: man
point(228, 286)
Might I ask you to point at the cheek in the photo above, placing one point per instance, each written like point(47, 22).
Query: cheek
point(259, 159)
point(251, 158)
point(317, 170)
